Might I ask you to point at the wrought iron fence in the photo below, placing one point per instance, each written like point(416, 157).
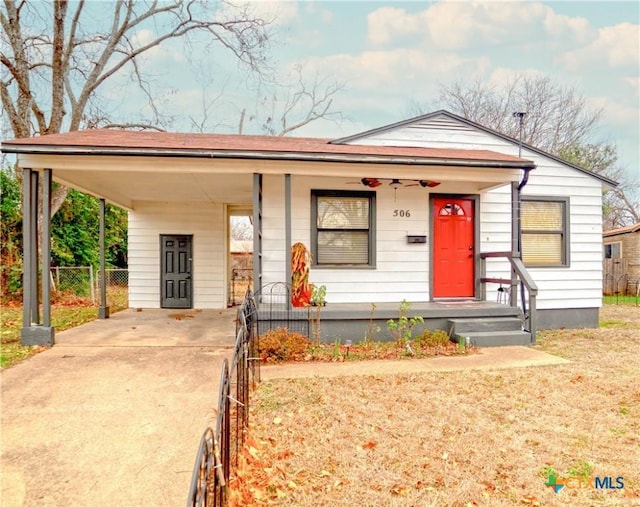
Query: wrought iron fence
point(275, 310)
point(241, 280)
point(220, 448)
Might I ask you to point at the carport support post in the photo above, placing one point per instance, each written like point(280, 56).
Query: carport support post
point(257, 232)
point(287, 230)
point(32, 333)
point(515, 240)
point(46, 248)
point(33, 258)
point(103, 311)
point(26, 249)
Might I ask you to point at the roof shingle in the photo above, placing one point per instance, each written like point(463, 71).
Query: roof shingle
point(127, 141)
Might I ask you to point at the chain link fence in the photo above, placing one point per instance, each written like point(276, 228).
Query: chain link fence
point(84, 282)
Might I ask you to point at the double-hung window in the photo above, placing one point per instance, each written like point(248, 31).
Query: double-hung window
point(343, 228)
point(545, 231)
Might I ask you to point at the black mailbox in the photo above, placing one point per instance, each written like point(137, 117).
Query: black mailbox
point(416, 239)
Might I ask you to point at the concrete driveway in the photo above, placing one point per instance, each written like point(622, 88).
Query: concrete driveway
point(113, 413)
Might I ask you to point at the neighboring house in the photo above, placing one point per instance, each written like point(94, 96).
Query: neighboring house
point(424, 210)
point(621, 252)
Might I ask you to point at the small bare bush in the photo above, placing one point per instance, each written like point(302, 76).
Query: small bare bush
point(283, 345)
point(434, 338)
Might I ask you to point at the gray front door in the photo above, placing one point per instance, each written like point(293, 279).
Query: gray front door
point(175, 272)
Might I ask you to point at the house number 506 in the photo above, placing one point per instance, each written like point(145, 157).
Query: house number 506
point(401, 213)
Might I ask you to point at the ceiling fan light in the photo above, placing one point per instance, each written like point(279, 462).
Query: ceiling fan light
point(395, 183)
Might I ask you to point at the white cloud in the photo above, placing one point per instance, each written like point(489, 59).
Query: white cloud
point(461, 25)
point(386, 69)
point(501, 75)
point(162, 54)
point(320, 12)
point(386, 23)
point(634, 82)
point(280, 12)
point(616, 46)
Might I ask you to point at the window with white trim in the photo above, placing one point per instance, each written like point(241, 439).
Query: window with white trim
point(613, 250)
point(343, 228)
point(545, 231)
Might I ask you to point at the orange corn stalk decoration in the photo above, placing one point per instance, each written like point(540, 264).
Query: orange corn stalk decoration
point(300, 288)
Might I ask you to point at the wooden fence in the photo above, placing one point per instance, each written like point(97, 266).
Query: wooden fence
point(615, 277)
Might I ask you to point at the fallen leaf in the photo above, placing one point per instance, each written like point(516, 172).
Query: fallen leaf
point(370, 444)
point(399, 490)
point(284, 454)
point(324, 473)
point(530, 500)
point(292, 485)
point(277, 420)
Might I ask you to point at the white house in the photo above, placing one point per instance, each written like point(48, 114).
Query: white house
point(425, 210)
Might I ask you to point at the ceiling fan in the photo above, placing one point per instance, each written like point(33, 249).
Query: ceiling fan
point(396, 183)
point(368, 182)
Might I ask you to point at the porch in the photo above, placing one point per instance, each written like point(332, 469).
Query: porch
point(481, 323)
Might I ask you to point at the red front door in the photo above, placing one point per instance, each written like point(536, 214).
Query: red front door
point(453, 248)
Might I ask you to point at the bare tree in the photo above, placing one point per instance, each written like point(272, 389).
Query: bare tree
point(241, 228)
point(558, 121)
point(557, 115)
point(54, 63)
point(282, 105)
point(622, 204)
point(293, 104)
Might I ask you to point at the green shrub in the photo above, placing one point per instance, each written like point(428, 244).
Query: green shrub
point(402, 329)
point(434, 338)
point(283, 345)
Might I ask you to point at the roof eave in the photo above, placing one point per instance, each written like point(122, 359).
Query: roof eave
point(264, 155)
point(622, 230)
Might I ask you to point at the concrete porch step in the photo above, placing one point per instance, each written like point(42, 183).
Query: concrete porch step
point(485, 324)
point(493, 338)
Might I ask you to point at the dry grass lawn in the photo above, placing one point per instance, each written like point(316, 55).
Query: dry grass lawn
point(485, 438)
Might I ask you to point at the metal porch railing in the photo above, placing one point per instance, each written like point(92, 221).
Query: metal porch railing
point(519, 276)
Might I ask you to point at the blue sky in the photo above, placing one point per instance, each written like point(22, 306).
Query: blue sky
point(388, 54)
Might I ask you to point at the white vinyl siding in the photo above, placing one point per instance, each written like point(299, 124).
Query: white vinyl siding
point(402, 269)
point(576, 286)
point(205, 222)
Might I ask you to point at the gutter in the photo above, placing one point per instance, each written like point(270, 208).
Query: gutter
point(262, 155)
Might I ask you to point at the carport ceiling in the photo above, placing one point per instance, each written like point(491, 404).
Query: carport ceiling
point(125, 189)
